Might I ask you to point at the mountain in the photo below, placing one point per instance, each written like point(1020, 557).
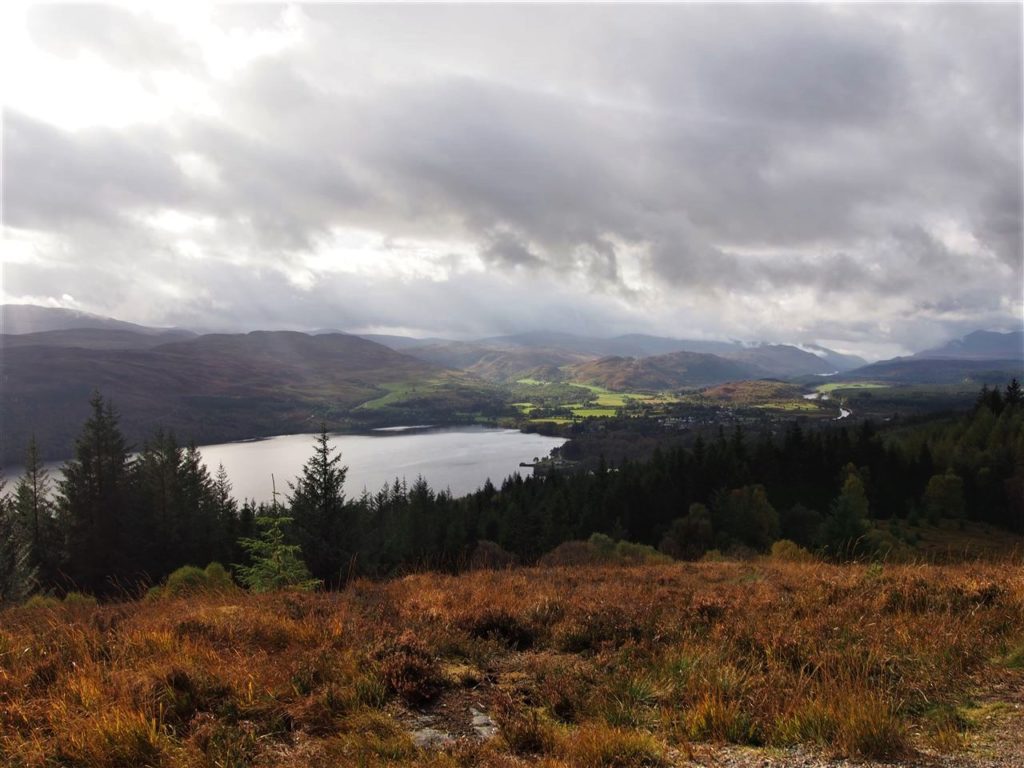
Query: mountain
point(30, 318)
point(505, 358)
point(215, 387)
point(94, 338)
point(781, 360)
point(677, 370)
point(912, 370)
point(980, 345)
point(497, 365)
point(398, 343)
point(837, 360)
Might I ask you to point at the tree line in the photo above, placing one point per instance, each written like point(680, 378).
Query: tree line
point(117, 520)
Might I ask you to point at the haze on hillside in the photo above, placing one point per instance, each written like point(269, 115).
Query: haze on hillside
point(848, 176)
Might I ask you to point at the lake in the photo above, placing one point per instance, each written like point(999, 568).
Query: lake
point(457, 458)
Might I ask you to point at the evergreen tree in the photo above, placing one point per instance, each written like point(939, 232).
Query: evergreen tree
point(34, 514)
point(1014, 395)
point(847, 522)
point(17, 576)
point(93, 505)
point(275, 564)
point(317, 504)
point(944, 497)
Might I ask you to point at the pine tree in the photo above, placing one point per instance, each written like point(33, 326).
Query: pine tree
point(1013, 395)
point(275, 564)
point(847, 522)
point(99, 544)
point(317, 506)
point(33, 511)
point(17, 576)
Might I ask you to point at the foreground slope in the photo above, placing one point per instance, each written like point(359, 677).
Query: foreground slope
point(579, 667)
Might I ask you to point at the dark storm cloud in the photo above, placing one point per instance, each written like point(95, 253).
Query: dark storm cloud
point(700, 153)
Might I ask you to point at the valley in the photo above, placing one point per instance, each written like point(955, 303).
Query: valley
point(212, 388)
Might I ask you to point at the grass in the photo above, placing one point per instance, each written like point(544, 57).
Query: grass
point(582, 401)
point(832, 386)
point(579, 667)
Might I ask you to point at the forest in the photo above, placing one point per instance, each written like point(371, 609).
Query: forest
point(119, 522)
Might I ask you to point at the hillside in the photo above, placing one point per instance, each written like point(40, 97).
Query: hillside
point(94, 338)
point(754, 392)
point(911, 370)
point(211, 388)
point(30, 318)
point(781, 360)
point(507, 358)
point(980, 345)
point(736, 664)
point(679, 370)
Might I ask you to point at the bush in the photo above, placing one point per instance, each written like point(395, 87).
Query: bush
point(487, 555)
point(186, 580)
point(788, 551)
point(77, 598)
point(601, 550)
point(42, 601)
point(190, 580)
point(217, 577)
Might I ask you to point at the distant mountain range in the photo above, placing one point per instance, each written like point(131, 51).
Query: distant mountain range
point(229, 386)
point(980, 345)
point(30, 318)
point(208, 388)
point(542, 354)
point(660, 372)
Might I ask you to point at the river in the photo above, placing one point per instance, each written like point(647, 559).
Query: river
point(457, 458)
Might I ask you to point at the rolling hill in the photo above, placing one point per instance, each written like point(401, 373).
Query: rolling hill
point(216, 387)
point(30, 318)
point(980, 345)
point(678, 370)
point(909, 370)
point(507, 358)
point(94, 338)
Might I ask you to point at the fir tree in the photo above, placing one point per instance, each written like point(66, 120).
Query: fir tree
point(93, 505)
point(317, 504)
point(275, 563)
point(33, 511)
point(17, 576)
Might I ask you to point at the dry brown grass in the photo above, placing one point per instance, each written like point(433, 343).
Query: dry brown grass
point(606, 666)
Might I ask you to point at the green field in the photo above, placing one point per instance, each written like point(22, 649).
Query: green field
point(832, 386)
point(583, 401)
point(790, 405)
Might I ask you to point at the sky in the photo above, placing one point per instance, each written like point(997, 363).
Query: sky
point(847, 175)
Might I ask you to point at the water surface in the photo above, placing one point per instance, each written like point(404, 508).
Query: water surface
point(457, 458)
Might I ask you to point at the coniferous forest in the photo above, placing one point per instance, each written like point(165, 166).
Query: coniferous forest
point(119, 521)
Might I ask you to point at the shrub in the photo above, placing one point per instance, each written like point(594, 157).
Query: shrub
point(217, 577)
point(186, 580)
point(42, 601)
point(527, 732)
point(595, 746)
point(487, 555)
point(409, 670)
point(77, 598)
point(788, 551)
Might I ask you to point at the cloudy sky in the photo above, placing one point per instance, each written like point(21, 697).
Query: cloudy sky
point(849, 175)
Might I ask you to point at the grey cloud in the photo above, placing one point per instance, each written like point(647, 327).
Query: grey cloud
point(52, 177)
point(747, 151)
point(132, 41)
